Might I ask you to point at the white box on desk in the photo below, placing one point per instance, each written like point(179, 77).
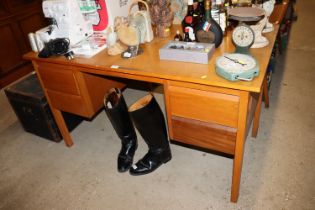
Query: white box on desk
point(193, 52)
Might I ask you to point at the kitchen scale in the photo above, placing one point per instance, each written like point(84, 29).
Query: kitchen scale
point(241, 65)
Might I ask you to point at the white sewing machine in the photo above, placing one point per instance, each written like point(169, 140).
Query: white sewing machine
point(68, 22)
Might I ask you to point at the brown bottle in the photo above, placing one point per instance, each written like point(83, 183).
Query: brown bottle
point(209, 31)
point(178, 37)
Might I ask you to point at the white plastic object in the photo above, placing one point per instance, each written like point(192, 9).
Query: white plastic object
point(31, 38)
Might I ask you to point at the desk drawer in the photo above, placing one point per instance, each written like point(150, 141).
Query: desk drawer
point(204, 105)
point(59, 78)
point(71, 90)
point(69, 103)
point(206, 135)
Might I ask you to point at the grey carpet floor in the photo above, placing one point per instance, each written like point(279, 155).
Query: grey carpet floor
point(278, 170)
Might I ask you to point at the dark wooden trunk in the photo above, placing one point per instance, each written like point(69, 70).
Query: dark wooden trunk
point(30, 105)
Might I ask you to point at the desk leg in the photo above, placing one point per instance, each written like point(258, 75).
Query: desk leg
point(257, 115)
point(62, 126)
point(239, 148)
point(265, 91)
point(56, 113)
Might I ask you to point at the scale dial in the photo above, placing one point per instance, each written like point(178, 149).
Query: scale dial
point(236, 66)
point(243, 36)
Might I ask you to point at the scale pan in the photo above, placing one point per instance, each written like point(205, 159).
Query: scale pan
point(245, 14)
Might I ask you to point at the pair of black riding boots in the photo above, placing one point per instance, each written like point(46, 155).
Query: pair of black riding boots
point(149, 121)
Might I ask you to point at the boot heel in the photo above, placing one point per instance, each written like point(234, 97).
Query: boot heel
point(165, 161)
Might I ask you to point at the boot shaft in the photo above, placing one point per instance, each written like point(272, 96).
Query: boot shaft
point(148, 118)
point(117, 112)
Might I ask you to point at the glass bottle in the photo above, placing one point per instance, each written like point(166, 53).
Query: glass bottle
point(228, 5)
point(215, 11)
point(186, 35)
point(223, 17)
point(209, 31)
point(188, 21)
point(199, 12)
point(178, 37)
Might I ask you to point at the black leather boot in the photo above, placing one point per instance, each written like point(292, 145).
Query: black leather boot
point(117, 112)
point(149, 120)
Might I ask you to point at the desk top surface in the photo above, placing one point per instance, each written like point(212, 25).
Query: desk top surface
point(148, 64)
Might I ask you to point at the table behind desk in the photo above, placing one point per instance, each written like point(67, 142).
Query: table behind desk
point(202, 108)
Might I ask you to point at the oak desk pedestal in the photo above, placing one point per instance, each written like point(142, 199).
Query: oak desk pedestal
point(203, 109)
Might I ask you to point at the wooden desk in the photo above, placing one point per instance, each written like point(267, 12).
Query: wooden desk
point(203, 109)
